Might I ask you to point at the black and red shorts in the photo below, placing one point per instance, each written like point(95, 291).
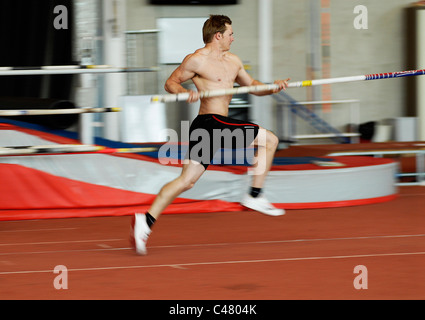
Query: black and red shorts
point(211, 132)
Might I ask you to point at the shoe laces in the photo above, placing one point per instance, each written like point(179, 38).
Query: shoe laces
point(265, 202)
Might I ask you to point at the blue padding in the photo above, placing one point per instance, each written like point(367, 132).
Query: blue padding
point(242, 157)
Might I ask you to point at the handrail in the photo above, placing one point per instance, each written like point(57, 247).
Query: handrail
point(420, 162)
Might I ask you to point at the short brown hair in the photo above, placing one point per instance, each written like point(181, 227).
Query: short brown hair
point(216, 23)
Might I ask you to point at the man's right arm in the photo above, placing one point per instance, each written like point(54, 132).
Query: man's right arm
point(183, 73)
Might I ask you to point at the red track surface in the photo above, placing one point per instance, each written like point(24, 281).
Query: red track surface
point(306, 254)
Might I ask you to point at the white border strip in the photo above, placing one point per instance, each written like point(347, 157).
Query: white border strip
point(51, 70)
point(38, 112)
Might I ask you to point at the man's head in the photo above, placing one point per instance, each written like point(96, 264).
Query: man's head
point(216, 23)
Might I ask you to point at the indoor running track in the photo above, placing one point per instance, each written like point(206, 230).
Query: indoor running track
point(306, 254)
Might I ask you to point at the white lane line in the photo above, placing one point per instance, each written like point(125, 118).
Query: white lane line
point(183, 265)
point(292, 241)
point(105, 247)
point(57, 242)
point(64, 251)
point(37, 230)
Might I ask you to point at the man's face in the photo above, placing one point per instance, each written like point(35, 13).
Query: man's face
point(227, 37)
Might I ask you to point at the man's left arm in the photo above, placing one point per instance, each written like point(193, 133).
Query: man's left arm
point(245, 79)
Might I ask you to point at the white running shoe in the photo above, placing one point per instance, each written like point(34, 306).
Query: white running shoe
point(261, 204)
point(139, 233)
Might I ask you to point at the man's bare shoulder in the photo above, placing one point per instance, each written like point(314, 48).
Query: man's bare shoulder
point(195, 59)
point(198, 54)
point(233, 57)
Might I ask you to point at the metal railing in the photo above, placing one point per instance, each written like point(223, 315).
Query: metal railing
point(420, 163)
point(326, 129)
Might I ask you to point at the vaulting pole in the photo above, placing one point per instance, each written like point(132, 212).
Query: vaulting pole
point(298, 84)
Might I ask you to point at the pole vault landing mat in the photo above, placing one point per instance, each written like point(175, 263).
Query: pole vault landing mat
point(83, 185)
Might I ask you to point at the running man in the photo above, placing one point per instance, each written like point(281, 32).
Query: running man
point(213, 67)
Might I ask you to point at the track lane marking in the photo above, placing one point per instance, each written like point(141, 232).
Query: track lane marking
point(184, 265)
point(57, 242)
point(37, 230)
point(105, 247)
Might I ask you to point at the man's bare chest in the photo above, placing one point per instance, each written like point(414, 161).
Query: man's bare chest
point(219, 71)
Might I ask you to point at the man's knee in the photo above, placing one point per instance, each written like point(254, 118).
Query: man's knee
point(272, 140)
point(187, 185)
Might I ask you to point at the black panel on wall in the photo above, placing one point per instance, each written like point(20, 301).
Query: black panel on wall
point(411, 62)
point(29, 39)
point(194, 2)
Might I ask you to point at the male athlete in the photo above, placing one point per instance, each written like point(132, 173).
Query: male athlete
point(213, 67)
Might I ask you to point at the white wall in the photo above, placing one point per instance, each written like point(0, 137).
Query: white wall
point(378, 49)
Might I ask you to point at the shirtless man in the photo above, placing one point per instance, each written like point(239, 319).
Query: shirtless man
point(213, 67)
